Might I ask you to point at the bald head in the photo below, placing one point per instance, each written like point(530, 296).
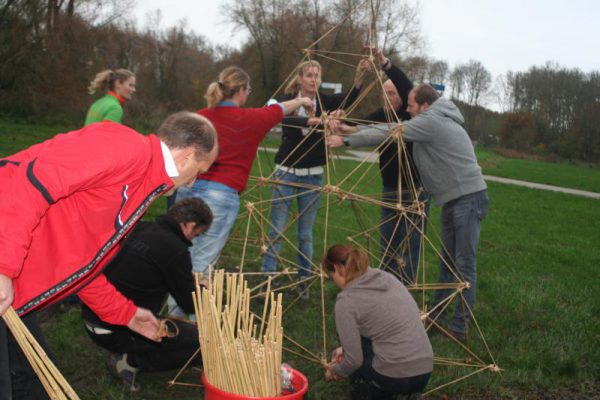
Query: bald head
point(392, 94)
point(187, 129)
point(192, 142)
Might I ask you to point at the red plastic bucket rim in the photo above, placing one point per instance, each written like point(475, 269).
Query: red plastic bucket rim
point(231, 396)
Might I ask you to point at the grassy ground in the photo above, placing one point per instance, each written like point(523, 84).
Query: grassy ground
point(557, 174)
point(493, 163)
point(538, 300)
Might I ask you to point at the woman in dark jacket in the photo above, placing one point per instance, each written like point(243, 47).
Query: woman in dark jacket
point(299, 163)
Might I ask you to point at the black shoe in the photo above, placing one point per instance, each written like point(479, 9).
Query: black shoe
point(359, 389)
point(117, 363)
point(303, 291)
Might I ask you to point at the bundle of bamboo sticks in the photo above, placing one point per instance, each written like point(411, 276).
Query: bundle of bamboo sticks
point(238, 356)
point(54, 383)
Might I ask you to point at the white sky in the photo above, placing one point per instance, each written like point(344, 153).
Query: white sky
point(502, 34)
point(513, 34)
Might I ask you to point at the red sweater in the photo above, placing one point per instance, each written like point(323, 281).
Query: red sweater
point(240, 131)
point(64, 206)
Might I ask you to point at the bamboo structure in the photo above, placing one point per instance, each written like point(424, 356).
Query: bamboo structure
point(343, 193)
point(53, 381)
point(238, 356)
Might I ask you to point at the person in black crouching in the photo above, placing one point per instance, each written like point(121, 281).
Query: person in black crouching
point(153, 262)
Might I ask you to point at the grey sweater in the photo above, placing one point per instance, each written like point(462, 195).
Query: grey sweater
point(378, 307)
point(442, 150)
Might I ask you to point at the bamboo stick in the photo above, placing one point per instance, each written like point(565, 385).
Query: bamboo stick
point(52, 380)
point(236, 359)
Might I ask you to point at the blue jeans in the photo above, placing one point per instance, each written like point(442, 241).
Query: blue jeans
point(224, 202)
point(461, 220)
point(308, 205)
point(394, 240)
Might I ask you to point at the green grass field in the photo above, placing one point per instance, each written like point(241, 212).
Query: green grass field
point(557, 174)
point(538, 299)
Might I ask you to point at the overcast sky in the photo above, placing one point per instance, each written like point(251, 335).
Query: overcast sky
point(502, 34)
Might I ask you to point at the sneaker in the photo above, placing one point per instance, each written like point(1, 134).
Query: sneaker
point(117, 363)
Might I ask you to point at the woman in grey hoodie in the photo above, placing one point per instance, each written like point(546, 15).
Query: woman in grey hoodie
point(383, 341)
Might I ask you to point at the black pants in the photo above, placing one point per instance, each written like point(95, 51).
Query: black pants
point(18, 381)
point(171, 353)
point(366, 383)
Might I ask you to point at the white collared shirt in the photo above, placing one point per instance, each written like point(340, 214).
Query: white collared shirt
point(170, 166)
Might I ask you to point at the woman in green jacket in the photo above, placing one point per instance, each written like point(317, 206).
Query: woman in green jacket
point(119, 86)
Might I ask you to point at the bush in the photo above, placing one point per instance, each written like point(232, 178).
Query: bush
point(517, 131)
point(582, 141)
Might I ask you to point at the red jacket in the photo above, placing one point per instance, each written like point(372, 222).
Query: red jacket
point(64, 206)
point(240, 131)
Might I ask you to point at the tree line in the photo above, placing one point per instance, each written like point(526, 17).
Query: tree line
point(51, 49)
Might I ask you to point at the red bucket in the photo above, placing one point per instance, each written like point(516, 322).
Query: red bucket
point(299, 383)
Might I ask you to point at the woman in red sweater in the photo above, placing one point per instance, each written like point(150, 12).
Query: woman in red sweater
point(240, 130)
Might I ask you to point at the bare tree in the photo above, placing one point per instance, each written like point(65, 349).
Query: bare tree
point(399, 27)
point(458, 82)
point(438, 71)
point(416, 68)
point(278, 26)
point(103, 12)
point(264, 20)
point(503, 91)
point(477, 81)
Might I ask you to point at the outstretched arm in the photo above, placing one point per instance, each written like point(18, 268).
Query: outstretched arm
point(292, 105)
point(360, 136)
point(300, 122)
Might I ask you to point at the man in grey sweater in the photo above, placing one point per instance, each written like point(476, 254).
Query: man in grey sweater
point(445, 158)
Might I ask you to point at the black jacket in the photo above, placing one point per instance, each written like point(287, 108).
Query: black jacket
point(295, 151)
point(153, 262)
point(388, 153)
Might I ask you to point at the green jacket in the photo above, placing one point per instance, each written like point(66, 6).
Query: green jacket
point(106, 108)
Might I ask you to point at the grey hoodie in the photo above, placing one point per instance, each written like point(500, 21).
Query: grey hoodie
point(442, 150)
point(378, 307)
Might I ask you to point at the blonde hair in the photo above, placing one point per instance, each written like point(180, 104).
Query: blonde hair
point(293, 87)
point(231, 80)
point(105, 80)
point(354, 261)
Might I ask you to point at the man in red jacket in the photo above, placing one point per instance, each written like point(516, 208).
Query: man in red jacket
point(67, 202)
